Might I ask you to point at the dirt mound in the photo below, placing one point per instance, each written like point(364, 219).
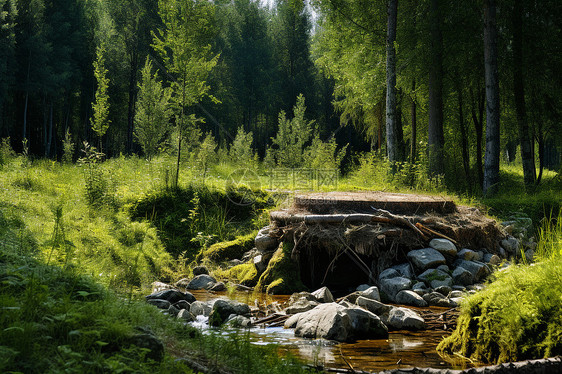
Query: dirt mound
point(374, 230)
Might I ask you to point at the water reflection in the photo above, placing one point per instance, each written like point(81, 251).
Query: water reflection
point(402, 349)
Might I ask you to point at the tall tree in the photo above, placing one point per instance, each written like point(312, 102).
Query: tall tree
point(8, 14)
point(492, 157)
point(184, 45)
point(392, 137)
point(152, 111)
point(435, 139)
point(527, 154)
point(100, 107)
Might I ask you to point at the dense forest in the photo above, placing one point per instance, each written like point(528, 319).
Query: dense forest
point(455, 86)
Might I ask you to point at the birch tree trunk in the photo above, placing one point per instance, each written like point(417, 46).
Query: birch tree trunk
point(391, 123)
point(435, 137)
point(492, 157)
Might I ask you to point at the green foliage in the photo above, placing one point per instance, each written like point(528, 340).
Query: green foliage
point(229, 250)
point(550, 238)
point(100, 190)
point(100, 106)
point(515, 318)
point(244, 274)
point(292, 136)
point(241, 152)
point(324, 155)
point(6, 151)
point(185, 214)
point(207, 155)
point(282, 274)
point(68, 148)
point(152, 111)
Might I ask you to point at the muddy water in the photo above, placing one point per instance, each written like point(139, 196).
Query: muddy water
point(402, 349)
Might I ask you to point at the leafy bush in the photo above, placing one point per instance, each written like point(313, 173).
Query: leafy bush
point(241, 152)
point(292, 136)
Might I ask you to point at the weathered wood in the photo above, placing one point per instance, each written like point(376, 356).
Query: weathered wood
point(433, 232)
point(361, 202)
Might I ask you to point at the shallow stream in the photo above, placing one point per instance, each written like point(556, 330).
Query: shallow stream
point(402, 349)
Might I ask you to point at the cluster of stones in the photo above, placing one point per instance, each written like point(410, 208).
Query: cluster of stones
point(360, 315)
point(184, 306)
point(440, 274)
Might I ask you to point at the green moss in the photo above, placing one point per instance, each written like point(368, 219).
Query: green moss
point(517, 317)
point(282, 274)
point(231, 249)
point(244, 274)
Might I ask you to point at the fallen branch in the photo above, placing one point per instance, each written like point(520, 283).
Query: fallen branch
point(433, 232)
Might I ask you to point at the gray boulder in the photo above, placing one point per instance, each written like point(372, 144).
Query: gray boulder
point(478, 269)
point(328, 321)
point(391, 286)
point(301, 305)
point(264, 242)
point(173, 311)
point(388, 273)
point(200, 308)
point(529, 255)
point(173, 296)
point(444, 268)
point(372, 306)
point(202, 281)
point(426, 258)
point(467, 254)
point(372, 293)
point(444, 246)
point(239, 322)
point(405, 319)
point(407, 297)
point(222, 309)
point(492, 259)
point(323, 295)
point(405, 270)
point(159, 303)
point(439, 283)
point(185, 315)
point(182, 304)
point(301, 295)
point(437, 299)
point(365, 324)
point(455, 294)
point(463, 277)
point(443, 290)
point(432, 274)
point(362, 287)
point(510, 244)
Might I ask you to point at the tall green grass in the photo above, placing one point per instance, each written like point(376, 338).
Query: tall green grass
point(519, 314)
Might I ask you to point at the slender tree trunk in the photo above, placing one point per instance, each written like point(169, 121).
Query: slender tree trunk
point(478, 120)
point(381, 121)
point(464, 140)
point(26, 98)
point(540, 140)
point(391, 122)
point(132, 99)
point(414, 124)
point(436, 140)
point(492, 157)
point(527, 154)
point(50, 135)
point(25, 114)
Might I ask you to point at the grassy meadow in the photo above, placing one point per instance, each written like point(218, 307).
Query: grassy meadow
point(80, 243)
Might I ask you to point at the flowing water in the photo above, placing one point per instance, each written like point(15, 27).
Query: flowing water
point(402, 349)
